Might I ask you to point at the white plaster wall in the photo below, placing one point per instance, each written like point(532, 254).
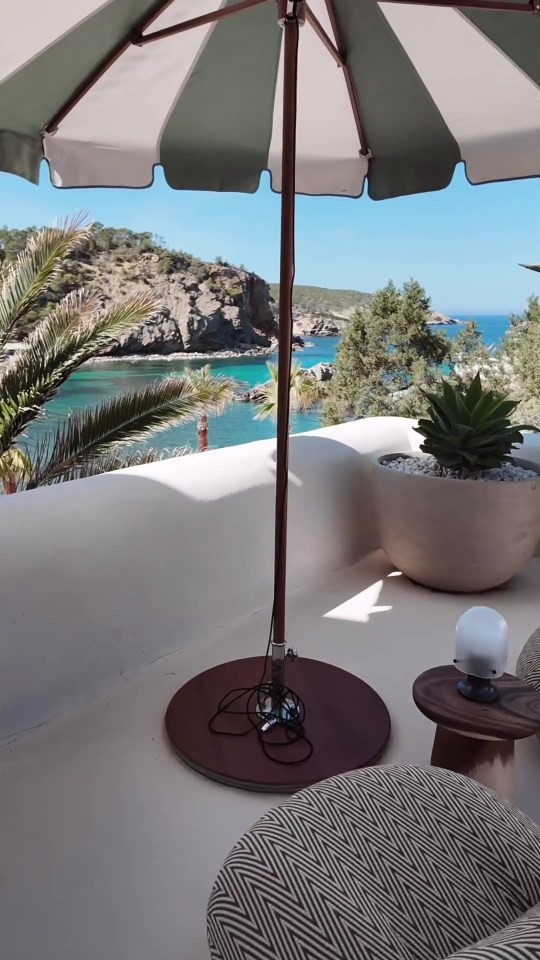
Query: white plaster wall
point(101, 576)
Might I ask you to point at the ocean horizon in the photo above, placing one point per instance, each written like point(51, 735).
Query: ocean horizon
point(99, 381)
point(493, 326)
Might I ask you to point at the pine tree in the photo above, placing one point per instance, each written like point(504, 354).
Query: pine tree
point(522, 344)
point(468, 343)
point(470, 355)
point(354, 391)
point(387, 354)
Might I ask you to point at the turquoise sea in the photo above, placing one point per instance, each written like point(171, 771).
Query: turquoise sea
point(98, 381)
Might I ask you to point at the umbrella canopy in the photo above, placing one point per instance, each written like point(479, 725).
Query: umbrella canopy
point(394, 92)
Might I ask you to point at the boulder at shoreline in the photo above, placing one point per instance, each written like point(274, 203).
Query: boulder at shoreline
point(441, 320)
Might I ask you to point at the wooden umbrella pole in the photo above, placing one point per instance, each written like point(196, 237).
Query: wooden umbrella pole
point(288, 14)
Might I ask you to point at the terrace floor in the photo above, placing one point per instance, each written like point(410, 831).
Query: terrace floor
point(110, 845)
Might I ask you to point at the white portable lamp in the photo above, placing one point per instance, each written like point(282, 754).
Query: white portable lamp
point(481, 652)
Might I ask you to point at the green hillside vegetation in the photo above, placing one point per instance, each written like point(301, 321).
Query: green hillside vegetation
point(324, 300)
point(120, 244)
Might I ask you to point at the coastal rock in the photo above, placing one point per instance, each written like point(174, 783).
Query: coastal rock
point(322, 311)
point(322, 371)
point(333, 325)
point(255, 395)
point(441, 320)
point(319, 325)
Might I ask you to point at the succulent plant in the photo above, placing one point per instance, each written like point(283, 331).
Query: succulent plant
point(469, 429)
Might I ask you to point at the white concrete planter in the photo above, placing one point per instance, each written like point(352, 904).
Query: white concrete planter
point(463, 536)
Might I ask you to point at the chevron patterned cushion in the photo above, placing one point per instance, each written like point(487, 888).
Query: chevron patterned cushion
point(517, 941)
point(528, 665)
point(384, 863)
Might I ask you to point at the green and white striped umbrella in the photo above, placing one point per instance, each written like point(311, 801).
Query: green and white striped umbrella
point(392, 92)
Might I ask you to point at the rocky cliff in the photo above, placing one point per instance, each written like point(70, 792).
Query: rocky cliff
point(227, 311)
point(206, 307)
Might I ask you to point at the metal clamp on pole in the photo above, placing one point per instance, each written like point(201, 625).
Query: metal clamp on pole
point(291, 11)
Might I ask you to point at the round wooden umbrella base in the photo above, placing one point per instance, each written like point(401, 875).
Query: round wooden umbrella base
point(346, 725)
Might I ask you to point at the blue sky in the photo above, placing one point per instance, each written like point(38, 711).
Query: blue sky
point(464, 243)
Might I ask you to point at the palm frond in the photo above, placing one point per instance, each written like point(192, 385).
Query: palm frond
point(268, 394)
point(72, 312)
point(76, 330)
point(128, 418)
point(24, 280)
point(267, 408)
point(305, 392)
point(113, 460)
point(122, 316)
point(72, 334)
point(225, 387)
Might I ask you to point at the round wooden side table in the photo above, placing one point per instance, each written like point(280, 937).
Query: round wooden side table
point(477, 739)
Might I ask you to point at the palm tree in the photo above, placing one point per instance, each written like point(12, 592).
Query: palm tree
point(305, 391)
point(197, 378)
point(76, 330)
point(202, 433)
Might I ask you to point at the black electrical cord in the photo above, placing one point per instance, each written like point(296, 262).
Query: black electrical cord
point(247, 701)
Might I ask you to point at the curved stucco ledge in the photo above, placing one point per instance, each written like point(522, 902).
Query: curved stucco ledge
point(101, 576)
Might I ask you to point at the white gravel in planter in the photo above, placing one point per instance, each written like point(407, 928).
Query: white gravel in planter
point(428, 467)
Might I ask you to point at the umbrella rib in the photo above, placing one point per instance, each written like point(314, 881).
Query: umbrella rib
point(105, 64)
point(211, 17)
point(351, 89)
point(323, 36)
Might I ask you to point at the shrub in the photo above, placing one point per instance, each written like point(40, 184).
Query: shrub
point(233, 291)
point(165, 263)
